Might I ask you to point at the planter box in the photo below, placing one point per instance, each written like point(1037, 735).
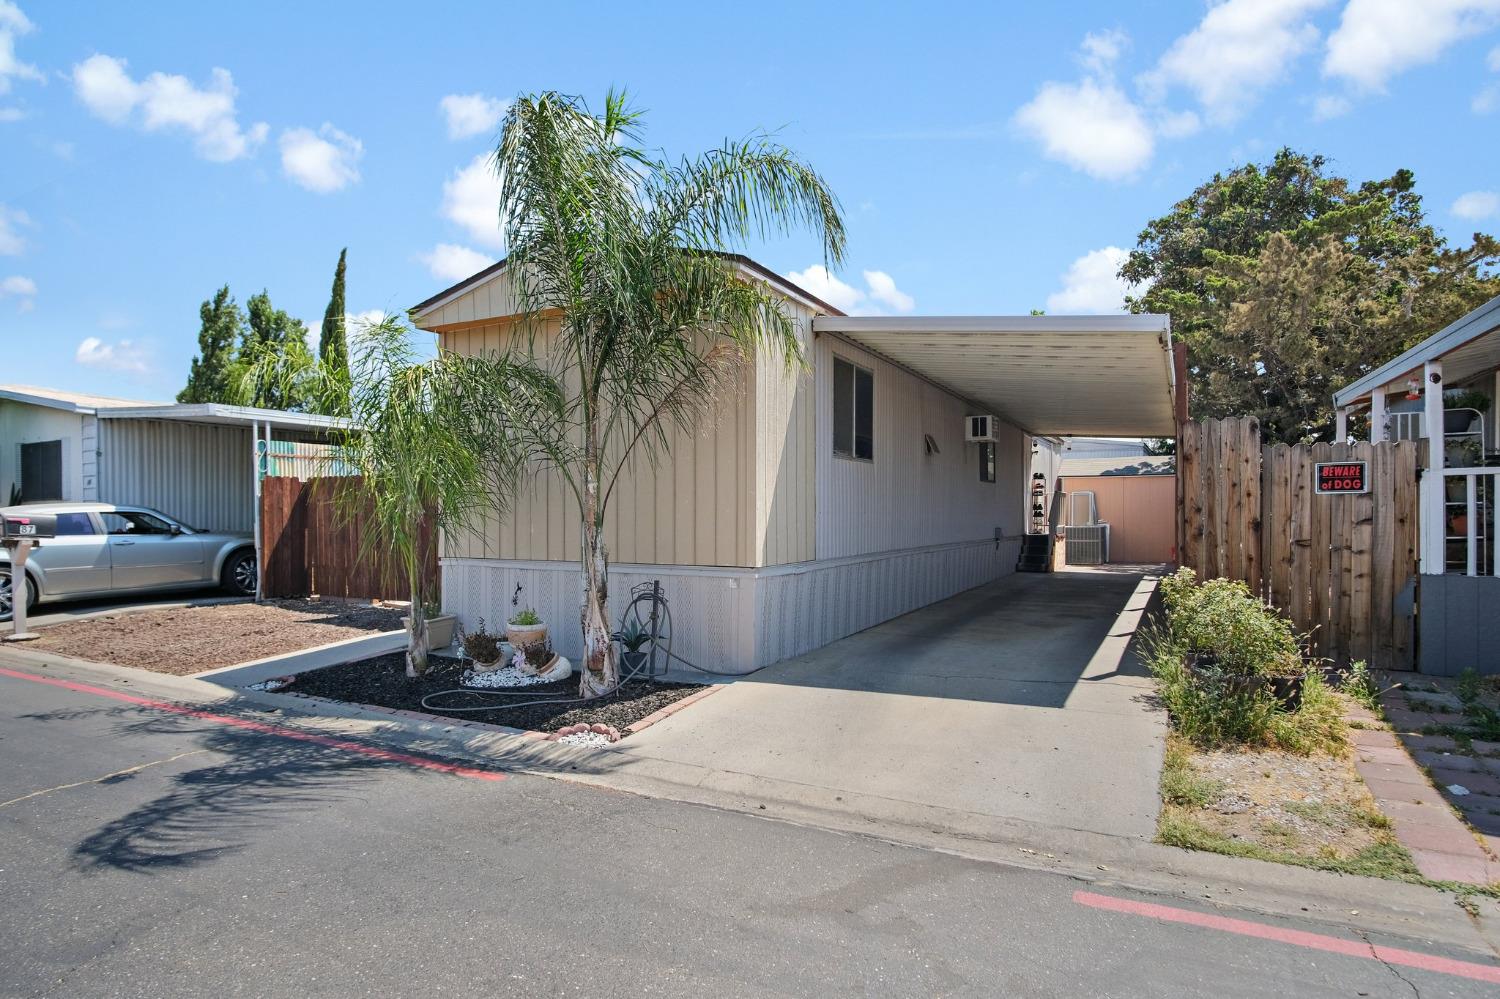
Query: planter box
point(439, 630)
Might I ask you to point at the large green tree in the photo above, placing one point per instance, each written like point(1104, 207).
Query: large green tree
point(1286, 281)
point(333, 348)
point(212, 375)
point(272, 333)
point(652, 318)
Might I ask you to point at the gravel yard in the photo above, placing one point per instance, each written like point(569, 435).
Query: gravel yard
point(187, 640)
point(382, 681)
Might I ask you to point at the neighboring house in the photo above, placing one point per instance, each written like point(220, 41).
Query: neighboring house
point(1458, 599)
point(1135, 494)
point(194, 462)
point(820, 501)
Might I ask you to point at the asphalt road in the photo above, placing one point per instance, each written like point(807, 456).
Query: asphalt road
point(154, 853)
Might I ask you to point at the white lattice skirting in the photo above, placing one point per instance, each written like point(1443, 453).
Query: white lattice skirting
point(736, 620)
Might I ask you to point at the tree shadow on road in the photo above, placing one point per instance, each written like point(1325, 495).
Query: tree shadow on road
point(245, 781)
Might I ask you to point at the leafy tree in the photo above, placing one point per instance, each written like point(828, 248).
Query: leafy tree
point(333, 348)
point(271, 335)
point(211, 377)
point(653, 319)
point(1286, 281)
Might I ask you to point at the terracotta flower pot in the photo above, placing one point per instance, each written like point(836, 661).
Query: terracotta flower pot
point(522, 635)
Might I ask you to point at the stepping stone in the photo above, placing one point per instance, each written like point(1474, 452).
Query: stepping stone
point(1451, 763)
point(1486, 748)
point(1393, 755)
point(1408, 791)
point(1376, 738)
point(1430, 743)
point(1421, 698)
point(1414, 721)
point(1472, 870)
point(1476, 783)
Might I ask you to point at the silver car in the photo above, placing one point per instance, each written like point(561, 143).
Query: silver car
point(102, 549)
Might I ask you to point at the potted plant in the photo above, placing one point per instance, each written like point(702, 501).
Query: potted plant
point(1459, 408)
point(525, 629)
point(632, 659)
point(440, 626)
point(483, 647)
point(1458, 525)
point(539, 660)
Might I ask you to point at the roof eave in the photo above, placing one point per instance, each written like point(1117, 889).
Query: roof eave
point(1463, 330)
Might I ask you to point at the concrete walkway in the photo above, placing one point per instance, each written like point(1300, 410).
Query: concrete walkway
point(1020, 699)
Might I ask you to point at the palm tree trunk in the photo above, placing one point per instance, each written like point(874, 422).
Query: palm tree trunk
point(600, 673)
point(416, 630)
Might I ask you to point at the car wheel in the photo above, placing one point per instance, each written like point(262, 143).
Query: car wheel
point(7, 598)
point(241, 574)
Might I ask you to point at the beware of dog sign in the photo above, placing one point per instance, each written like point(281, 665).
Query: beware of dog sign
point(1341, 477)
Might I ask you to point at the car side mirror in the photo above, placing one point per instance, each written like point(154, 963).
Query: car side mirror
point(176, 529)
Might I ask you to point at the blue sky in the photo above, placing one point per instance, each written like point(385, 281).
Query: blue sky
point(989, 160)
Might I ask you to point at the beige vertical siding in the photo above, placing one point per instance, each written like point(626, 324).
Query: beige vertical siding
point(785, 404)
point(198, 473)
point(1141, 511)
point(694, 506)
point(907, 498)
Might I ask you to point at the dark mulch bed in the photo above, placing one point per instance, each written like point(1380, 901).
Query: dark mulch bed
point(382, 680)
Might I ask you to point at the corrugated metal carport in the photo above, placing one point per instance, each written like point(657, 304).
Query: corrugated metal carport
point(1052, 376)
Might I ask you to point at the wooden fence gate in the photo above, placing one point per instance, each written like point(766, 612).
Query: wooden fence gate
point(1335, 564)
point(307, 546)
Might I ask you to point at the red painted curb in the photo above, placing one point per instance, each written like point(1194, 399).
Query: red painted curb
point(1297, 938)
point(263, 728)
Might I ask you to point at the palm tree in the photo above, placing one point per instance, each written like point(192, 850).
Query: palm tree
point(627, 253)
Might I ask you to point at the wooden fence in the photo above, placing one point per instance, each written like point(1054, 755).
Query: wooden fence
point(309, 546)
point(1335, 564)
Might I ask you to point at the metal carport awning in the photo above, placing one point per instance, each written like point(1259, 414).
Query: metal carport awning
point(1052, 376)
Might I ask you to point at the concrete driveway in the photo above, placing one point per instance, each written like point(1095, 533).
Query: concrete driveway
point(1021, 699)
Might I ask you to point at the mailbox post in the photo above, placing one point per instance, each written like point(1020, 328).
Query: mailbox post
point(20, 533)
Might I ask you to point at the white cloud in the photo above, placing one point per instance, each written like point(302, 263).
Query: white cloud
point(1100, 50)
point(1377, 39)
point(472, 114)
point(1091, 126)
point(122, 355)
point(1238, 49)
point(471, 197)
point(11, 221)
point(879, 294)
point(1476, 205)
point(1487, 100)
point(21, 288)
point(1330, 106)
point(13, 24)
point(1177, 124)
point(883, 290)
point(323, 161)
point(164, 101)
point(452, 262)
point(1093, 284)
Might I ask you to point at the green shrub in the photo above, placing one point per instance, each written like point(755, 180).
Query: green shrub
point(1223, 622)
point(1359, 683)
point(526, 618)
point(1239, 645)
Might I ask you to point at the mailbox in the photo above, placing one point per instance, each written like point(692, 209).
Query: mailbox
point(29, 526)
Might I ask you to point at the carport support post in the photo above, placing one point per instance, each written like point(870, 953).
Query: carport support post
point(1433, 513)
point(1341, 426)
point(1378, 431)
point(255, 473)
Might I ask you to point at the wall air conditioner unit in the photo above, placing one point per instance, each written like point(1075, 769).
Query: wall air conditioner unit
point(979, 428)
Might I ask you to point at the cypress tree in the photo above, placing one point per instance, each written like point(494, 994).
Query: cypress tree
point(333, 348)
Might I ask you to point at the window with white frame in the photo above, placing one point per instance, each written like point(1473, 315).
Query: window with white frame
point(853, 411)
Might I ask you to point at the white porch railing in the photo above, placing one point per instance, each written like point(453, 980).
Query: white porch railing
point(1468, 514)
